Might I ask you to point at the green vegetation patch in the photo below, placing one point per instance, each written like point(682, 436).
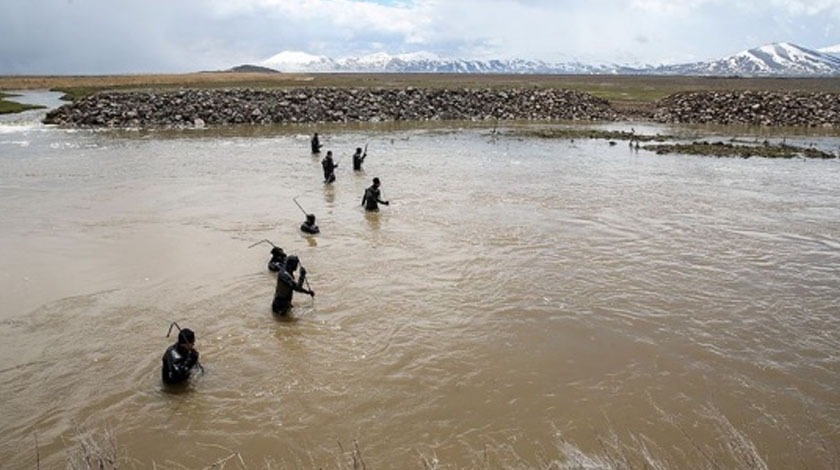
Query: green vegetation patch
point(8, 107)
point(75, 93)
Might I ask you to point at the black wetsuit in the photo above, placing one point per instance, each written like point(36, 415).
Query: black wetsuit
point(358, 159)
point(306, 227)
point(316, 144)
point(329, 167)
point(285, 290)
point(371, 199)
point(177, 364)
point(277, 261)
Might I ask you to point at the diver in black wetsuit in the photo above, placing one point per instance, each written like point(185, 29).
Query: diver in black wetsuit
point(371, 198)
point(179, 359)
point(315, 144)
point(309, 226)
point(358, 159)
point(278, 259)
point(286, 285)
point(329, 167)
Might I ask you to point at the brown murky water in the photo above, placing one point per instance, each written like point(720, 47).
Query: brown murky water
point(516, 294)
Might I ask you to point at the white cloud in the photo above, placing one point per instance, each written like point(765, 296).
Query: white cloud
point(807, 7)
point(667, 7)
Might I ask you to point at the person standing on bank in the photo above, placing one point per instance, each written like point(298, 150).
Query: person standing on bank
point(286, 286)
point(358, 159)
point(316, 144)
point(371, 198)
point(179, 359)
point(329, 167)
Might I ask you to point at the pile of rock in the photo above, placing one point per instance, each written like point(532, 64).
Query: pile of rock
point(757, 108)
point(186, 108)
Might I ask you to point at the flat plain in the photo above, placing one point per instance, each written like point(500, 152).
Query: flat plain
point(623, 91)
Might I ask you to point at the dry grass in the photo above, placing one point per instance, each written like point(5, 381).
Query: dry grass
point(221, 463)
point(93, 451)
point(621, 90)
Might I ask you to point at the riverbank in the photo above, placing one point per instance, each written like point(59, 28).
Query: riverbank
point(9, 106)
point(808, 102)
point(751, 108)
point(196, 108)
point(221, 107)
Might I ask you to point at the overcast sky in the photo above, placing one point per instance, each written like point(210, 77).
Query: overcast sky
point(157, 36)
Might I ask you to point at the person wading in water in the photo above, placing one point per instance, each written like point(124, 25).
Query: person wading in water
point(371, 199)
point(309, 225)
point(329, 167)
point(358, 159)
point(316, 144)
point(179, 359)
point(278, 259)
point(286, 286)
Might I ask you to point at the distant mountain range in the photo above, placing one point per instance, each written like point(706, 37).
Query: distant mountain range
point(779, 59)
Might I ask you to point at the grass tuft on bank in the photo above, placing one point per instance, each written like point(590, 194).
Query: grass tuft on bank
point(8, 106)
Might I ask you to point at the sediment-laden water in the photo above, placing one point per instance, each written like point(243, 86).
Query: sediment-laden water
point(515, 295)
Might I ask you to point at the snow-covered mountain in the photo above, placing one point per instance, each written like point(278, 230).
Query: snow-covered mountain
point(780, 59)
point(833, 50)
point(422, 62)
point(430, 63)
point(295, 61)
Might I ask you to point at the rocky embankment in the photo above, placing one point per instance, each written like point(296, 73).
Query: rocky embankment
point(188, 108)
point(755, 108)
